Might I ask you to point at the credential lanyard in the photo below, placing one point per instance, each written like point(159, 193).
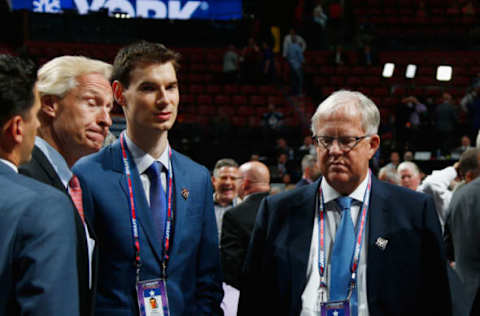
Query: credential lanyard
point(321, 236)
point(168, 219)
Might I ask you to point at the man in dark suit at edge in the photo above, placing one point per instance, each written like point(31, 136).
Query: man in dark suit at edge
point(307, 242)
point(37, 232)
point(238, 221)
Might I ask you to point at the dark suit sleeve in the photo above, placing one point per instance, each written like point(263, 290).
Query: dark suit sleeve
point(45, 259)
point(251, 293)
point(232, 251)
point(209, 292)
point(436, 279)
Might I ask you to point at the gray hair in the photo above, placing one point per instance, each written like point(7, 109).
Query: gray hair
point(308, 161)
point(343, 98)
point(58, 76)
point(226, 162)
point(408, 165)
point(388, 174)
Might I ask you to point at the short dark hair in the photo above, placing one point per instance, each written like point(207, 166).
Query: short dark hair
point(143, 52)
point(17, 79)
point(225, 162)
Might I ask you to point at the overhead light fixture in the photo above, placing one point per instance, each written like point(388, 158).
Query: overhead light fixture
point(444, 73)
point(411, 71)
point(388, 69)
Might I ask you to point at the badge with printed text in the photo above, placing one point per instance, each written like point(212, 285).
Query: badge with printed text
point(336, 308)
point(152, 298)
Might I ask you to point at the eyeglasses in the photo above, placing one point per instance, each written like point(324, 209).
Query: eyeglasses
point(345, 143)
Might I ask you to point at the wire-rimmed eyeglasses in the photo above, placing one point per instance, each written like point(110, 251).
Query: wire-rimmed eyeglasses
point(345, 143)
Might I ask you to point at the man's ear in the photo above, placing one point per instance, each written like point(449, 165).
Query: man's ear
point(118, 89)
point(13, 130)
point(374, 144)
point(49, 105)
point(213, 180)
point(469, 176)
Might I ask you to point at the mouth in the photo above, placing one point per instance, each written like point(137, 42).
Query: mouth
point(336, 166)
point(163, 116)
point(227, 191)
point(96, 136)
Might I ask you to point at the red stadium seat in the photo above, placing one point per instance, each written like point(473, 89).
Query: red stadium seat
point(213, 89)
point(245, 110)
point(239, 100)
point(258, 100)
point(204, 99)
point(230, 89)
point(222, 100)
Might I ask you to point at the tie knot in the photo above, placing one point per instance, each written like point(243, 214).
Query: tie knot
point(153, 172)
point(74, 183)
point(344, 202)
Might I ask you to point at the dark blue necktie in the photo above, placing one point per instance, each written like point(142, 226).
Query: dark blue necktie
point(342, 254)
point(158, 199)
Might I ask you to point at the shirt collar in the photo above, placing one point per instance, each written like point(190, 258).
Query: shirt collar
point(330, 194)
point(144, 160)
point(10, 164)
point(56, 160)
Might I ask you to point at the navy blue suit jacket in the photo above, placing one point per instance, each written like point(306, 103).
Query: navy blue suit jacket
point(408, 277)
point(194, 273)
point(38, 274)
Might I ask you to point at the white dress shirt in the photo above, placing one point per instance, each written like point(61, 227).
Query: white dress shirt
point(65, 174)
point(144, 160)
point(333, 215)
point(437, 185)
point(10, 164)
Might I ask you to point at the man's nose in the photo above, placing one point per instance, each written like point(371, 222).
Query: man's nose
point(104, 118)
point(335, 148)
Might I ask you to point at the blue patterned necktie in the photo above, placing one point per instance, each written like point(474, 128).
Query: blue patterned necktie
point(158, 199)
point(342, 254)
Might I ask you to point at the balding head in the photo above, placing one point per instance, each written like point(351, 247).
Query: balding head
point(256, 178)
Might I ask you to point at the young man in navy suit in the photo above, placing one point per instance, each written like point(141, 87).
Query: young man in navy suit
point(346, 244)
point(151, 207)
point(37, 233)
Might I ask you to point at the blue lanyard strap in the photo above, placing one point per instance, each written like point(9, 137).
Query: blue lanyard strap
point(322, 266)
point(170, 214)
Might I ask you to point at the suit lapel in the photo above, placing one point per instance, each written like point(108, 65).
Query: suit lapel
point(179, 205)
point(377, 230)
point(377, 212)
point(45, 165)
point(300, 239)
point(142, 209)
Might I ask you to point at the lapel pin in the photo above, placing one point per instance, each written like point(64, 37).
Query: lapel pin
point(185, 193)
point(381, 243)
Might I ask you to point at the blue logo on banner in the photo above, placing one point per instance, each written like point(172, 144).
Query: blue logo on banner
point(156, 9)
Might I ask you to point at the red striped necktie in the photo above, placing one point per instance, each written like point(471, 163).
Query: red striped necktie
point(76, 194)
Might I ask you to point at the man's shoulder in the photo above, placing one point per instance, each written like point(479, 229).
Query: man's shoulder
point(187, 164)
point(296, 196)
point(93, 161)
point(252, 203)
point(397, 192)
point(467, 191)
point(23, 189)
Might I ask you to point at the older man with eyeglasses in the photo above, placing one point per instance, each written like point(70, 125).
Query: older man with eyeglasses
point(347, 244)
